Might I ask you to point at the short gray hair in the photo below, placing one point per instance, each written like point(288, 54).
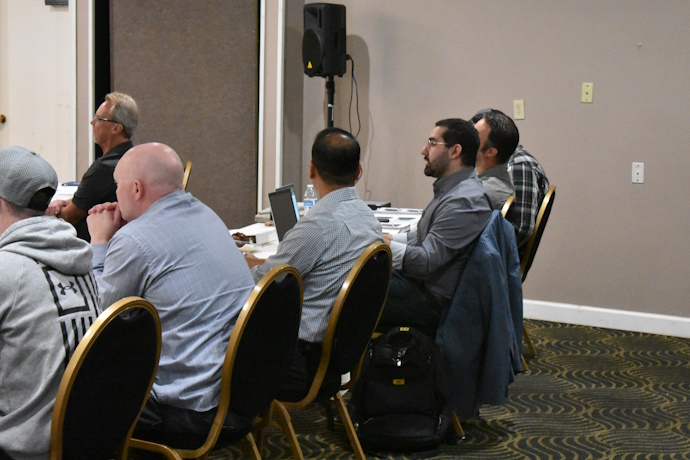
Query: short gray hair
point(124, 111)
point(22, 212)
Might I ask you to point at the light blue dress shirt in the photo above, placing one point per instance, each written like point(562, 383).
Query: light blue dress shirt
point(179, 256)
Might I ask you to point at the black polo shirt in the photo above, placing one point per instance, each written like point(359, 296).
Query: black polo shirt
point(98, 186)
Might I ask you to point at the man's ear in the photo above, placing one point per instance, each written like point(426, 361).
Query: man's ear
point(454, 151)
point(117, 128)
point(491, 152)
point(312, 170)
point(360, 170)
point(138, 189)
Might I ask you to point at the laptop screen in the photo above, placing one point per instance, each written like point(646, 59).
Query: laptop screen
point(284, 209)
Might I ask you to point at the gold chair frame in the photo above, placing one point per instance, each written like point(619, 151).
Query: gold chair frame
point(226, 378)
point(187, 172)
point(507, 205)
point(367, 255)
point(75, 364)
point(531, 250)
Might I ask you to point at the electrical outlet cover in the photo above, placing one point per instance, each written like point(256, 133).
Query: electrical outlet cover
point(519, 109)
point(637, 173)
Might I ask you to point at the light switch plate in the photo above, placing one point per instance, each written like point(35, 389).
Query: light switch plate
point(587, 90)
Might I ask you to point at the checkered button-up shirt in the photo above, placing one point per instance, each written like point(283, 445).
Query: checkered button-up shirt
point(323, 246)
point(531, 185)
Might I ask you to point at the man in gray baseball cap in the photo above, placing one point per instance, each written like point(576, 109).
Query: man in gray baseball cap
point(48, 299)
point(26, 180)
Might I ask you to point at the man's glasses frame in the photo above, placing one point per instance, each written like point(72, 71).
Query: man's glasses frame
point(95, 117)
point(434, 143)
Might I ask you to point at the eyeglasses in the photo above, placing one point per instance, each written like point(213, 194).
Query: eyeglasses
point(434, 142)
point(95, 117)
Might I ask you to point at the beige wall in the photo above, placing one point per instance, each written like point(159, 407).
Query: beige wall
point(609, 243)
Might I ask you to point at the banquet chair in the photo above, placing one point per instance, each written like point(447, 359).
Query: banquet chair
point(106, 383)
point(352, 321)
point(187, 172)
point(256, 362)
point(507, 205)
point(531, 249)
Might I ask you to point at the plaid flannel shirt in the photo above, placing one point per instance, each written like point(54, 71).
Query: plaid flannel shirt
point(531, 185)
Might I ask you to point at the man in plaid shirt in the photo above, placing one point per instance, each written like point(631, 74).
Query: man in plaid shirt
point(531, 185)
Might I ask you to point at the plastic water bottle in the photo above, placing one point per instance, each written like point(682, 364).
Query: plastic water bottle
point(309, 198)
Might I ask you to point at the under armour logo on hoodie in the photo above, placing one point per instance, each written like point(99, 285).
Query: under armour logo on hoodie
point(63, 289)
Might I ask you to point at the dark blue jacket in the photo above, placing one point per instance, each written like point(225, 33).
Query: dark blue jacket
point(480, 333)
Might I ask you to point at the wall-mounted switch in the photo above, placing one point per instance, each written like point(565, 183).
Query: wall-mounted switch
point(587, 90)
point(519, 109)
point(638, 173)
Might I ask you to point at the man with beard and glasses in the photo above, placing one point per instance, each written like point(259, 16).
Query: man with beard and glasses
point(429, 262)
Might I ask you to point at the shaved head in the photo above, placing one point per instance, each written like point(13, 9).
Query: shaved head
point(156, 165)
point(147, 172)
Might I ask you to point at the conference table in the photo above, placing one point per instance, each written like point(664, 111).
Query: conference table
point(262, 238)
point(65, 191)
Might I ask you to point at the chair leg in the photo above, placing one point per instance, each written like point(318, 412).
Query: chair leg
point(167, 452)
point(330, 414)
point(349, 427)
point(530, 347)
point(258, 429)
point(285, 423)
point(525, 368)
point(251, 446)
point(458, 427)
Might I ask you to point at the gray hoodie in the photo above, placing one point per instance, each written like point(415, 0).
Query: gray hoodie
point(48, 299)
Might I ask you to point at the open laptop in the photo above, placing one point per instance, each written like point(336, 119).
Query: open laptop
point(284, 209)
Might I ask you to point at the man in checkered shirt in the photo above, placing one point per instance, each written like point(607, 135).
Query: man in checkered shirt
point(323, 246)
point(531, 185)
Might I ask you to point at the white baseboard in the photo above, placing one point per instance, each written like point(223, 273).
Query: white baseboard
point(650, 323)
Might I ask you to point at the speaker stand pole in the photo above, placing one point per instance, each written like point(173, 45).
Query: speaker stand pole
point(330, 89)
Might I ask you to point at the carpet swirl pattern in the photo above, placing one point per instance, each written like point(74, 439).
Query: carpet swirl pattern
point(590, 393)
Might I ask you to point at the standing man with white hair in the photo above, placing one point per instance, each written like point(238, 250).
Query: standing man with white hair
point(113, 126)
point(47, 302)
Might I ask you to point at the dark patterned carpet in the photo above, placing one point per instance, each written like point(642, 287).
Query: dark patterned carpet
point(590, 394)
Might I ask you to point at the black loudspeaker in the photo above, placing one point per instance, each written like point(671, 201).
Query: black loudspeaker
point(323, 46)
